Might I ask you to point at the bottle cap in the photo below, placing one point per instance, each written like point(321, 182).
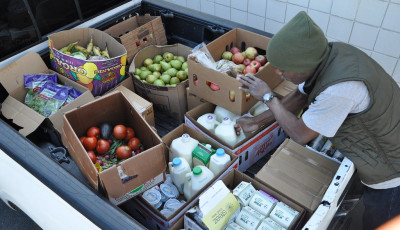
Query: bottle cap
point(210, 117)
point(197, 170)
point(220, 152)
point(176, 161)
point(208, 146)
point(185, 137)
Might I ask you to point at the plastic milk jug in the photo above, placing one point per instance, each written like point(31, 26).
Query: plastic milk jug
point(219, 161)
point(178, 169)
point(196, 180)
point(183, 147)
point(208, 121)
point(226, 131)
point(221, 113)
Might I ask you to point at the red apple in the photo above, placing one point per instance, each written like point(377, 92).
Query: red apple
point(255, 64)
point(246, 61)
point(251, 53)
point(238, 58)
point(214, 87)
point(227, 55)
point(262, 59)
point(234, 50)
point(250, 70)
point(241, 67)
point(248, 95)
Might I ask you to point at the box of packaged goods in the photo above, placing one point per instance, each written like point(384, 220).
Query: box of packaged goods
point(114, 147)
point(138, 32)
point(37, 94)
point(218, 123)
point(213, 69)
point(88, 56)
point(194, 163)
point(300, 173)
point(160, 76)
point(239, 202)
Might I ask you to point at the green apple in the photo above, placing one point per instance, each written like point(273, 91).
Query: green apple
point(165, 65)
point(176, 64)
point(181, 58)
point(184, 66)
point(172, 72)
point(157, 74)
point(137, 76)
point(159, 82)
point(150, 78)
point(182, 75)
point(168, 56)
point(148, 61)
point(157, 59)
point(143, 68)
point(174, 81)
point(137, 71)
point(144, 74)
point(165, 78)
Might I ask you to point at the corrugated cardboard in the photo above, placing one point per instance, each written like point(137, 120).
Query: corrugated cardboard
point(168, 99)
point(252, 148)
point(192, 100)
point(100, 75)
point(226, 83)
point(141, 105)
point(138, 32)
point(233, 179)
point(299, 173)
point(152, 217)
point(115, 108)
point(11, 77)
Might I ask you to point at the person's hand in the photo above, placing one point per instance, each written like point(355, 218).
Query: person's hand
point(248, 124)
point(253, 85)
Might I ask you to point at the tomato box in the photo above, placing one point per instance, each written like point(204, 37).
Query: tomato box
point(97, 75)
point(129, 177)
point(203, 76)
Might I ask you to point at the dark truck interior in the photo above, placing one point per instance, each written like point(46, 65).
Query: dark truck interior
point(43, 155)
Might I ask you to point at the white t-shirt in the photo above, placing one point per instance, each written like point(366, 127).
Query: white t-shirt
point(325, 115)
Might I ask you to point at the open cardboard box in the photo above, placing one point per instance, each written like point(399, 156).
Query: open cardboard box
point(299, 173)
point(252, 148)
point(168, 99)
point(233, 179)
point(12, 79)
point(98, 76)
point(152, 217)
point(142, 171)
point(241, 39)
point(138, 32)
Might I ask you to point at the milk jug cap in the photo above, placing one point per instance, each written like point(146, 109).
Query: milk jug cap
point(210, 117)
point(176, 161)
point(220, 152)
point(226, 120)
point(185, 137)
point(197, 170)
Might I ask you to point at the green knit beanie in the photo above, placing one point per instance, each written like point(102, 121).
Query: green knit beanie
point(299, 46)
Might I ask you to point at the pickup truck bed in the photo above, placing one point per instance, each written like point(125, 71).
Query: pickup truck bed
point(32, 156)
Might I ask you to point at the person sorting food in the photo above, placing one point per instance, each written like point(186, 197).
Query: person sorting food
point(347, 97)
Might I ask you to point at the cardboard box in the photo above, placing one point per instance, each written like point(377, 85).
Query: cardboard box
point(12, 79)
point(226, 83)
point(143, 170)
point(192, 100)
point(299, 173)
point(233, 179)
point(255, 146)
point(144, 107)
point(97, 75)
point(138, 32)
point(151, 217)
point(167, 99)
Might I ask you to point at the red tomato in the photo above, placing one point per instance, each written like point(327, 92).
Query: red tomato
point(119, 131)
point(81, 139)
point(102, 146)
point(129, 133)
point(134, 143)
point(93, 132)
point(90, 143)
point(92, 156)
point(124, 152)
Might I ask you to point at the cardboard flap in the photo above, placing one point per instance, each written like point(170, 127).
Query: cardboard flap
point(12, 76)
point(21, 115)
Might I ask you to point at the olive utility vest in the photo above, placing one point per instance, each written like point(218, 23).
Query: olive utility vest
point(370, 139)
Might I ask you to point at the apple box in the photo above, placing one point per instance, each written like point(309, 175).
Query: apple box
point(151, 217)
point(227, 94)
point(97, 75)
point(131, 176)
point(168, 99)
point(14, 107)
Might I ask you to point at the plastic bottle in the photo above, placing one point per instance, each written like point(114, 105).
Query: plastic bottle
point(208, 121)
point(258, 108)
point(178, 169)
point(196, 180)
point(218, 161)
point(183, 147)
point(221, 113)
point(226, 131)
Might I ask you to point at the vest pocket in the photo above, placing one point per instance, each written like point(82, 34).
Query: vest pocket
point(358, 155)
